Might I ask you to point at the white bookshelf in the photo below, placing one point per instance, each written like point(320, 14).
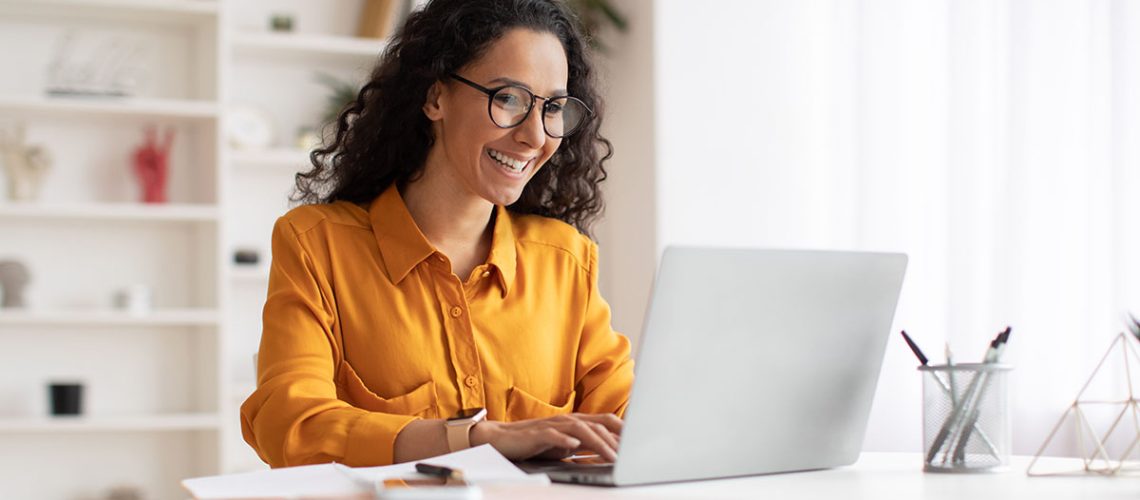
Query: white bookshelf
point(163, 388)
point(171, 109)
point(109, 318)
point(124, 423)
point(110, 212)
point(153, 11)
point(301, 46)
point(287, 158)
point(253, 275)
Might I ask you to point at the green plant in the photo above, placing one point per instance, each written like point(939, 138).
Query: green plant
point(594, 14)
point(341, 94)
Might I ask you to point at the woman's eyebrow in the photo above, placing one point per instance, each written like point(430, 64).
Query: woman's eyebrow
point(511, 81)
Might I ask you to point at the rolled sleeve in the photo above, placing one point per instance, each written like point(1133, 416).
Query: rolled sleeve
point(295, 417)
point(604, 368)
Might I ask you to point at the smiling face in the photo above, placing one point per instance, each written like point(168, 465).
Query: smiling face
point(481, 159)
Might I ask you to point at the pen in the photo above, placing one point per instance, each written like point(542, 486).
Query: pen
point(439, 471)
point(914, 348)
point(993, 355)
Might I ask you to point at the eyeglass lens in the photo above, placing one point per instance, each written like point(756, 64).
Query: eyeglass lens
point(561, 116)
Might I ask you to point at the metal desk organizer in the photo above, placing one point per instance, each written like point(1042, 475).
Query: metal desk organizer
point(966, 421)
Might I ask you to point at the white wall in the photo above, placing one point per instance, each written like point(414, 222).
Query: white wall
point(993, 142)
point(627, 234)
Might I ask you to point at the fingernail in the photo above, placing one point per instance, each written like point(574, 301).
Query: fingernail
point(574, 443)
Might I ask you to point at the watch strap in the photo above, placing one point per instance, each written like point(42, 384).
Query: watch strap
point(459, 434)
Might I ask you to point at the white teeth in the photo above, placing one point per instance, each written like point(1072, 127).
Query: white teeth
point(507, 161)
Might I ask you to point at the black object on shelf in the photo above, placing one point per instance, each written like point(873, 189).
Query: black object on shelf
point(66, 399)
point(247, 257)
point(281, 23)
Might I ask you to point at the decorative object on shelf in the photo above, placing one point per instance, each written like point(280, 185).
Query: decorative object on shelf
point(246, 256)
point(152, 165)
point(1096, 458)
point(66, 398)
point(341, 94)
point(91, 63)
point(14, 279)
point(378, 18)
point(308, 139)
point(135, 299)
point(125, 492)
point(281, 23)
point(594, 14)
point(248, 128)
point(26, 165)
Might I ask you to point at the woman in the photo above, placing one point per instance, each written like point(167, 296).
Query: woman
point(405, 293)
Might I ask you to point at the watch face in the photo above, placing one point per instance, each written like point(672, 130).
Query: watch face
point(465, 414)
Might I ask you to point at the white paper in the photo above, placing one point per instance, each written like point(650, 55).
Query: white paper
point(480, 465)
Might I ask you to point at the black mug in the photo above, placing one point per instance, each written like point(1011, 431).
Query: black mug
point(66, 398)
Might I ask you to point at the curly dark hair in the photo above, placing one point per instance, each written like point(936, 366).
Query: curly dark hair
point(384, 137)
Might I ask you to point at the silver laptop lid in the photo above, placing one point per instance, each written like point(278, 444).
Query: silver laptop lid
point(757, 361)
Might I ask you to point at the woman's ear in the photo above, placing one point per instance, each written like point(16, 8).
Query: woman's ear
point(433, 109)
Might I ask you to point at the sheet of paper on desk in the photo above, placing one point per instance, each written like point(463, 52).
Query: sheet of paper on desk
point(482, 464)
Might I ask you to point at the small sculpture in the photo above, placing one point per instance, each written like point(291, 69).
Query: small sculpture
point(14, 277)
point(151, 163)
point(26, 165)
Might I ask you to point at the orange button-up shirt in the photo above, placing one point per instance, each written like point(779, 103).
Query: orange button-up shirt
point(366, 328)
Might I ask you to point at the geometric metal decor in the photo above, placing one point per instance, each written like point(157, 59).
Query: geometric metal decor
point(1091, 444)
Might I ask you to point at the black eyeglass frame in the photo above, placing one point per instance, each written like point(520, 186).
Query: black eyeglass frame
point(495, 90)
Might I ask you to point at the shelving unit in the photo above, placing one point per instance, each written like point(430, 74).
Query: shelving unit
point(109, 318)
point(292, 158)
point(126, 423)
point(136, 212)
point(162, 388)
point(170, 109)
point(302, 45)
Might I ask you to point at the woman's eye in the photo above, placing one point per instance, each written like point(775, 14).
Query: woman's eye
point(507, 100)
point(554, 108)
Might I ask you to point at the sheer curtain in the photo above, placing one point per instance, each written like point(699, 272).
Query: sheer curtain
point(996, 142)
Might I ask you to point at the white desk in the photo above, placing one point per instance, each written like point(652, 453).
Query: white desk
point(878, 476)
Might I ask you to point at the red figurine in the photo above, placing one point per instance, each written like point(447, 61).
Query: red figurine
point(152, 165)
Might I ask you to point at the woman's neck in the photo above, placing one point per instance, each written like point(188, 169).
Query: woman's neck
point(455, 221)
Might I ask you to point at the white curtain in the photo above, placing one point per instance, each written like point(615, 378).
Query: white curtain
point(997, 142)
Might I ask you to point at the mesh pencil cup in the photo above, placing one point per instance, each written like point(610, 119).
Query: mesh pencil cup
point(965, 417)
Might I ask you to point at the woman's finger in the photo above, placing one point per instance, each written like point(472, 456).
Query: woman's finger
point(589, 437)
point(611, 421)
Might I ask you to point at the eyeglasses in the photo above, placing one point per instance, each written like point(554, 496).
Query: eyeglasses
point(510, 105)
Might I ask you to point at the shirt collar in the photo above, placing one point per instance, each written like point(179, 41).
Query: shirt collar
point(403, 246)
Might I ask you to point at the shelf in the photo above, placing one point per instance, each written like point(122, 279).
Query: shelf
point(152, 11)
point(111, 212)
point(252, 275)
point(283, 158)
point(292, 45)
point(176, 109)
point(159, 317)
point(169, 422)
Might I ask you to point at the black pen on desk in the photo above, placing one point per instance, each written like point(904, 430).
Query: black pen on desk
point(439, 471)
point(914, 348)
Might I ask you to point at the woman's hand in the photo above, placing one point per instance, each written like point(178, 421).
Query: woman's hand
point(554, 437)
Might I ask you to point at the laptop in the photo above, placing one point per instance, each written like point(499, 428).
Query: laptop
point(752, 361)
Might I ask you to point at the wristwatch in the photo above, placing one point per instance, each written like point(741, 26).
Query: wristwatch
point(459, 427)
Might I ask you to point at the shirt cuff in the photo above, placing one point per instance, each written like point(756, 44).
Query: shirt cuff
point(372, 439)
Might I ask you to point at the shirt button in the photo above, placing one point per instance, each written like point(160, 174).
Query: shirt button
point(456, 311)
point(471, 381)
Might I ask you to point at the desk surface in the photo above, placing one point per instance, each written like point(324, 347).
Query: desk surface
point(875, 476)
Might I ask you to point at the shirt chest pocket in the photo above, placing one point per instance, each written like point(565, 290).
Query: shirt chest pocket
point(523, 406)
point(420, 402)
